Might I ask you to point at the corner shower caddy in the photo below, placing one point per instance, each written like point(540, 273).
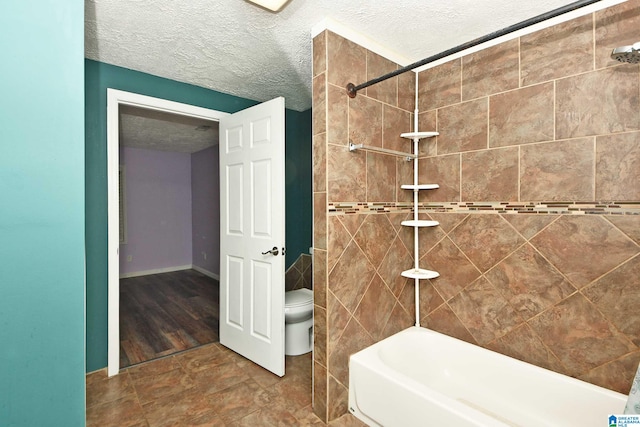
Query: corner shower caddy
point(416, 272)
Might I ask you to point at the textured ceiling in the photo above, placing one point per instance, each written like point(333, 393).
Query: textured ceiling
point(155, 130)
point(235, 47)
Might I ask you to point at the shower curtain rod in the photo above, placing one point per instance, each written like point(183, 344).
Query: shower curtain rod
point(352, 90)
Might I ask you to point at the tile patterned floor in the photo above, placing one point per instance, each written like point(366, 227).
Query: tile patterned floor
point(207, 386)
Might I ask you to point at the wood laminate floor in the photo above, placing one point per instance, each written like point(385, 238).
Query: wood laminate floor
point(162, 314)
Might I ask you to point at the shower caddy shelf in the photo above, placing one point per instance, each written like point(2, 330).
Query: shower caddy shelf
point(419, 135)
point(419, 187)
point(416, 272)
point(419, 223)
point(420, 274)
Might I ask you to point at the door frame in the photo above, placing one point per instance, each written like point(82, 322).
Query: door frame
point(116, 98)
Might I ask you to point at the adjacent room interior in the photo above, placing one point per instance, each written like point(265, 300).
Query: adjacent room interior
point(169, 233)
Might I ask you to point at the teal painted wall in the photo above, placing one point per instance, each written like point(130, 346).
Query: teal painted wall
point(99, 77)
point(299, 205)
point(42, 347)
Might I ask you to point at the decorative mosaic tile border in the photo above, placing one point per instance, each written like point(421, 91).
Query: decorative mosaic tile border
point(562, 208)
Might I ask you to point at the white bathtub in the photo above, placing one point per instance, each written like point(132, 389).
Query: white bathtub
point(419, 377)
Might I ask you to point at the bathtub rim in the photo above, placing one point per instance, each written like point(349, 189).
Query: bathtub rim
point(369, 358)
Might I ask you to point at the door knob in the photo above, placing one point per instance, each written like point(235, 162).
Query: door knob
point(273, 251)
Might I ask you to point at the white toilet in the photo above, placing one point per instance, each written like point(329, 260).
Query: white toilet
point(298, 322)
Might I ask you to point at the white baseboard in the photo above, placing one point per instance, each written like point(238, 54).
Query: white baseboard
point(103, 370)
point(156, 271)
point(206, 272)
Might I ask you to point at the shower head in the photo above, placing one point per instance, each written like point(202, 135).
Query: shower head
point(630, 54)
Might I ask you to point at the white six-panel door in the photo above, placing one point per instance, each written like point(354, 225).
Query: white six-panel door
point(251, 224)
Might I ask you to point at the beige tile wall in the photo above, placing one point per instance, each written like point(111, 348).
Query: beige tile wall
point(299, 274)
point(547, 117)
point(357, 282)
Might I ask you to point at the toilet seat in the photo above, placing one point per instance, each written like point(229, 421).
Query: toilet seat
point(298, 298)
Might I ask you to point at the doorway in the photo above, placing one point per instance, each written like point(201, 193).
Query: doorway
point(169, 226)
point(115, 101)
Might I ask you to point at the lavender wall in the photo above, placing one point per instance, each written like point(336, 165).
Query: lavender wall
point(205, 193)
point(158, 204)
